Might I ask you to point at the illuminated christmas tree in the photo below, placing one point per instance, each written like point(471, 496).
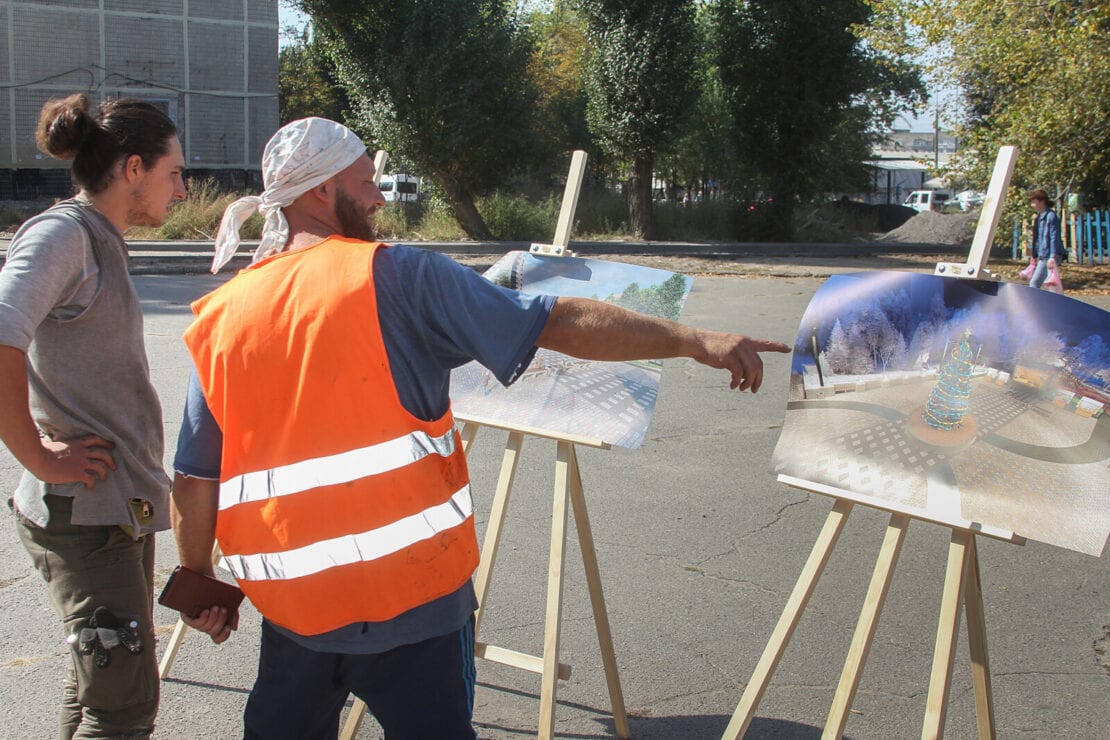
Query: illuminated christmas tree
point(948, 403)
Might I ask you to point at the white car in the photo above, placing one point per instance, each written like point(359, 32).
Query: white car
point(400, 187)
point(969, 199)
point(926, 200)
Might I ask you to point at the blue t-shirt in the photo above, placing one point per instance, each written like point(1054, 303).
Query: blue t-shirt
point(435, 315)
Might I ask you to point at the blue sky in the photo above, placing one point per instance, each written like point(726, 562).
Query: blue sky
point(288, 16)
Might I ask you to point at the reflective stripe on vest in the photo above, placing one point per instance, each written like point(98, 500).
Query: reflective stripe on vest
point(333, 469)
point(354, 548)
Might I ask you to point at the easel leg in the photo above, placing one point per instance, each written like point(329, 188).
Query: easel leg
point(354, 719)
point(866, 626)
point(959, 552)
point(555, 569)
point(977, 645)
point(172, 647)
point(179, 631)
point(468, 433)
point(597, 598)
point(791, 614)
point(496, 521)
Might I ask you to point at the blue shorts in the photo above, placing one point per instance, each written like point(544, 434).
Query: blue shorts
point(424, 690)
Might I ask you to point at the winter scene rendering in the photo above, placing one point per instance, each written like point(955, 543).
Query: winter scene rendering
point(961, 401)
point(610, 402)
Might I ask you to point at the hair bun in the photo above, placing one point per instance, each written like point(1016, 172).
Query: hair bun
point(64, 126)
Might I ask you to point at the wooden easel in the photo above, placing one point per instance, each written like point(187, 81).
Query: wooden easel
point(961, 580)
point(568, 487)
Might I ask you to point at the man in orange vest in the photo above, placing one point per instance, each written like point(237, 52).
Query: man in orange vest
point(318, 445)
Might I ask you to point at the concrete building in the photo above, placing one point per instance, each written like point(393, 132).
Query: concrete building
point(211, 65)
point(905, 155)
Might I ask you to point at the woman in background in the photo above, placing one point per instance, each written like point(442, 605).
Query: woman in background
point(1047, 247)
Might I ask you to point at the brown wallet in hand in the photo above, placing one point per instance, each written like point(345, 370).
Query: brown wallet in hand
point(191, 593)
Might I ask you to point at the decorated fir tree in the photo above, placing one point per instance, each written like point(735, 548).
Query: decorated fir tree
point(948, 402)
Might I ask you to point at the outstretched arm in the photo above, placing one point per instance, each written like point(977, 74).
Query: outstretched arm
point(594, 330)
point(195, 503)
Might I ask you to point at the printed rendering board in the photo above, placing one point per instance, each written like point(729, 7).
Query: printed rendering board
point(607, 401)
point(957, 399)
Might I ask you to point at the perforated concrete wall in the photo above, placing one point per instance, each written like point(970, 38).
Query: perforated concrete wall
point(210, 64)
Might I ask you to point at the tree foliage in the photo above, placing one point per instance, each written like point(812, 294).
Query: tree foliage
point(640, 86)
point(307, 81)
point(703, 158)
point(805, 94)
point(439, 83)
point(557, 68)
point(1033, 74)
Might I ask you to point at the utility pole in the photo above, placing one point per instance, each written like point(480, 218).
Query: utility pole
point(936, 137)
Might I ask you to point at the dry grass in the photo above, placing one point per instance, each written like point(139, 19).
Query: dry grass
point(198, 216)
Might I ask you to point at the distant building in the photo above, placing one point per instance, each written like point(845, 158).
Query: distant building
point(211, 65)
point(902, 158)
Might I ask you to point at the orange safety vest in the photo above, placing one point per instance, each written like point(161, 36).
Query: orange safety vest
point(337, 505)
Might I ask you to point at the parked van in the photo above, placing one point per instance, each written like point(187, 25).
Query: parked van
point(400, 187)
point(926, 200)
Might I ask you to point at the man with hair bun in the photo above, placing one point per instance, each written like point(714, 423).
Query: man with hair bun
point(78, 410)
point(318, 443)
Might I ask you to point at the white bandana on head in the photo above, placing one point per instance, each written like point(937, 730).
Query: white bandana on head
point(300, 156)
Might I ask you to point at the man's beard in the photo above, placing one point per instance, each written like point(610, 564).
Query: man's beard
point(353, 223)
point(138, 213)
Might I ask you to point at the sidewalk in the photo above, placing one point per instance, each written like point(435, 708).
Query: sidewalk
point(722, 259)
point(751, 259)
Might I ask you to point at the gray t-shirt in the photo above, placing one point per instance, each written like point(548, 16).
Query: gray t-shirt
point(67, 302)
point(50, 272)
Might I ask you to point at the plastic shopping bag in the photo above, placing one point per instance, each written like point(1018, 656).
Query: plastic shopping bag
point(1028, 271)
point(1053, 281)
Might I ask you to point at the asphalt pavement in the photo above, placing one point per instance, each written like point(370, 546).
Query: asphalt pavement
point(699, 547)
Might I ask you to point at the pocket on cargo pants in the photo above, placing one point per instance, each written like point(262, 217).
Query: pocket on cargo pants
point(125, 682)
point(86, 567)
point(120, 582)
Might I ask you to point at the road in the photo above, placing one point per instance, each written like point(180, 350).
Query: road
point(698, 546)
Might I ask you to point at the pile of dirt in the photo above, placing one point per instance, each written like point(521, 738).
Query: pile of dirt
point(930, 227)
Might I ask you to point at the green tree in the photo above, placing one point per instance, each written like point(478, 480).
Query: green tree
point(805, 95)
point(440, 84)
point(557, 67)
point(1033, 74)
point(307, 81)
point(640, 86)
point(704, 154)
point(663, 300)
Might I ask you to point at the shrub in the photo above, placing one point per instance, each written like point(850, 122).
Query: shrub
point(12, 216)
point(394, 221)
point(516, 218)
point(438, 224)
point(601, 213)
point(707, 220)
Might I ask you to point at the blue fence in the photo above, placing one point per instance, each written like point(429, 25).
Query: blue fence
point(1086, 236)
